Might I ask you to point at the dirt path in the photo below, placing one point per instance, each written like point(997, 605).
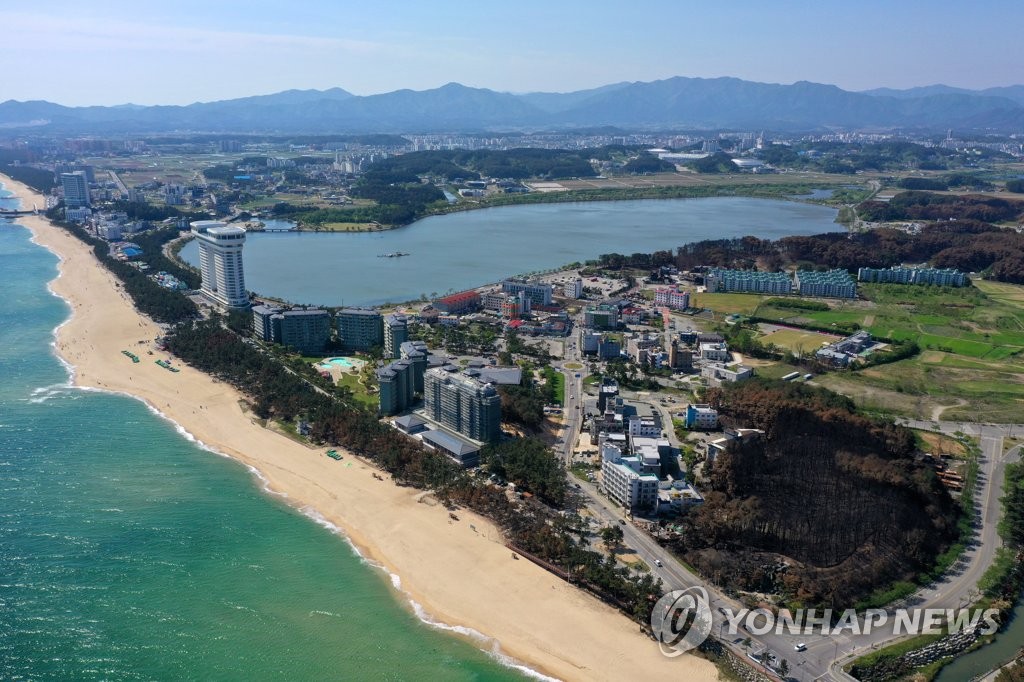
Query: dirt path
point(939, 409)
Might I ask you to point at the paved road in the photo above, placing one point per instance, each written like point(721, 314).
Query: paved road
point(824, 655)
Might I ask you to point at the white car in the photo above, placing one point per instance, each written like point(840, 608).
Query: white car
point(657, 562)
point(800, 647)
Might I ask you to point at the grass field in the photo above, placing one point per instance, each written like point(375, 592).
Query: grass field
point(798, 340)
point(359, 391)
point(965, 321)
point(729, 304)
point(1012, 294)
point(972, 340)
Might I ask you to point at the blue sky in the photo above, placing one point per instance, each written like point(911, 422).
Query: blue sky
point(181, 51)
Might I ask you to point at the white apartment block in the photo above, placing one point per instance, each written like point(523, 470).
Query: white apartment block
point(624, 483)
point(676, 300)
point(220, 262)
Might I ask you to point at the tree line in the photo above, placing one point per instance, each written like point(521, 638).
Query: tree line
point(915, 205)
point(824, 508)
point(560, 539)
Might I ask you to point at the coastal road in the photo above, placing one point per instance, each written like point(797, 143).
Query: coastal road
point(573, 412)
point(825, 656)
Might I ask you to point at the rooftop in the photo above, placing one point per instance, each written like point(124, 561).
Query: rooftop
point(449, 442)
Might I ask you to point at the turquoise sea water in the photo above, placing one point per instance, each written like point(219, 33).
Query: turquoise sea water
point(128, 552)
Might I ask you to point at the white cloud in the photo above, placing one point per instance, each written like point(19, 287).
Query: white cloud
point(29, 32)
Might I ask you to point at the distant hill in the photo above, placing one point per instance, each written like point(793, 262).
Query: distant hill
point(673, 103)
point(1011, 92)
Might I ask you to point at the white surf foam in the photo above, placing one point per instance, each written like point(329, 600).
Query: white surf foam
point(487, 644)
point(494, 650)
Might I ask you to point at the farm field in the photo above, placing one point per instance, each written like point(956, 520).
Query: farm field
point(972, 341)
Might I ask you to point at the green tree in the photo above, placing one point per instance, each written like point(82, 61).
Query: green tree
point(611, 536)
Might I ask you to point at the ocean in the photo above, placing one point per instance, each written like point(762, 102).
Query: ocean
point(129, 552)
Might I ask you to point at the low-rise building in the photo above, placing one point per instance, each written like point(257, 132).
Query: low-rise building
point(632, 315)
point(639, 347)
point(717, 374)
point(701, 417)
point(672, 298)
point(678, 496)
point(644, 427)
point(539, 293)
point(845, 352)
point(715, 351)
point(465, 453)
point(649, 451)
point(409, 424)
point(717, 447)
point(458, 304)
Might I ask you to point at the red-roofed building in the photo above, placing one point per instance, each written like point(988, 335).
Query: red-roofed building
point(457, 304)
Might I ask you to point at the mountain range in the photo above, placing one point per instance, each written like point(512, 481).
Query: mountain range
point(672, 104)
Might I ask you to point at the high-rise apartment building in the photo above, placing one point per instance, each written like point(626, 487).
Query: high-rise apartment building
point(396, 332)
point(462, 403)
point(220, 262)
point(396, 385)
point(359, 328)
point(306, 330)
point(76, 189)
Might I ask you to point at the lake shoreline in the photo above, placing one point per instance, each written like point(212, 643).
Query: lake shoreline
point(598, 196)
point(456, 574)
point(464, 250)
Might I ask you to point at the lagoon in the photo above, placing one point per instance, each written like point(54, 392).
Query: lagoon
point(462, 250)
point(127, 552)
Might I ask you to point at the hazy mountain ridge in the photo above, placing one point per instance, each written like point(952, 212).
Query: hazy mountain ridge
point(677, 102)
point(1013, 92)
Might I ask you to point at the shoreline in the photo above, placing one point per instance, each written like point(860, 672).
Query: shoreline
point(523, 616)
point(574, 196)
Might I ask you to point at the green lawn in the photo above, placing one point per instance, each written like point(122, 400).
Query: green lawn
point(359, 392)
point(558, 380)
point(798, 340)
point(729, 304)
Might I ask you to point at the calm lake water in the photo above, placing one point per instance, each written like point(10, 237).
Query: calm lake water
point(462, 250)
point(129, 553)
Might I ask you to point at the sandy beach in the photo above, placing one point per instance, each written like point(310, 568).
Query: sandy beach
point(458, 571)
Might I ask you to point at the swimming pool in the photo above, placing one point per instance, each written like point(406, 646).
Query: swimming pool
point(345, 363)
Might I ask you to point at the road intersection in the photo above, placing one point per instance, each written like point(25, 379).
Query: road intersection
point(824, 655)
